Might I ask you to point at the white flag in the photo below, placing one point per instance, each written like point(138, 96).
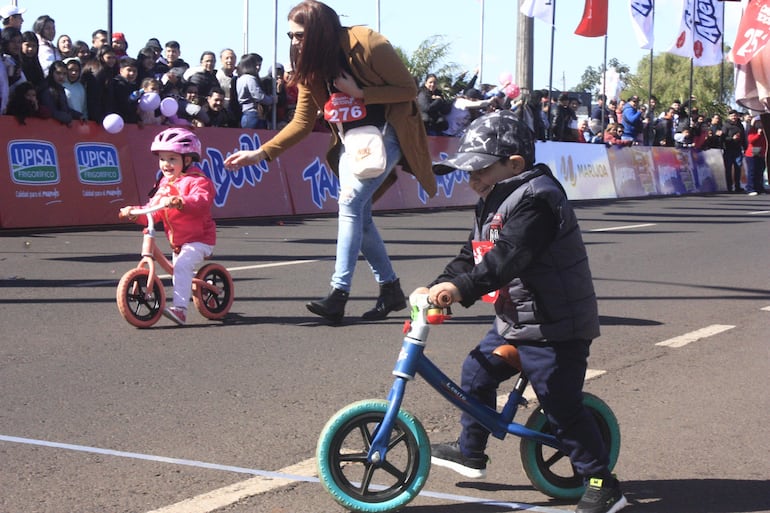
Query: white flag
point(700, 34)
point(540, 9)
point(641, 19)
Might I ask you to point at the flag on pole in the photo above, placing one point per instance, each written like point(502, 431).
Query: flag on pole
point(753, 31)
point(540, 9)
point(594, 22)
point(641, 19)
point(700, 33)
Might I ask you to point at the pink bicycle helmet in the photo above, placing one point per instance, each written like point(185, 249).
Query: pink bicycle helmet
point(179, 140)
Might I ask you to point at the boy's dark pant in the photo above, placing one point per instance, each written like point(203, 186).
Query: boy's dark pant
point(556, 372)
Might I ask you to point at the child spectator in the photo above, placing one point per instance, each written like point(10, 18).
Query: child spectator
point(151, 117)
point(546, 307)
point(189, 196)
point(23, 104)
point(54, 98)
point(119, 45)
point(74, 88)
point(123, 86)
point(30, 64)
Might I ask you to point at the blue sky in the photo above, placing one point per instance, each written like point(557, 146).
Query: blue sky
point(200, 26)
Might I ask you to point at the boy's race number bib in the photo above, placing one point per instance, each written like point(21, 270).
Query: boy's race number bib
point(480, 248)
point(341, 108)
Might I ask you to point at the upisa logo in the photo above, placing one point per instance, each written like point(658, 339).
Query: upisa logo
point(97, 164)
point(33, 163)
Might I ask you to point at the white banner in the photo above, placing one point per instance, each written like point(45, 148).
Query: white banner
point(641, 19)
point(583, 169)
point(700, 33)
point(540, 9)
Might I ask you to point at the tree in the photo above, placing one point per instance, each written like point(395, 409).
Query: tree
point(712, 86)
point(591, 80)
point(430, 57)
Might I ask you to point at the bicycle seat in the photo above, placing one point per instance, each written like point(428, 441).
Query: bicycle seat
point(509, 354)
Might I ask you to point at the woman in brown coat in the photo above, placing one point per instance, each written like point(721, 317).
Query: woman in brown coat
point(356, 78)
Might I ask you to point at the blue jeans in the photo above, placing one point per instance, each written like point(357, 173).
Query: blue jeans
point(250, 119)
point(356, 231)
point(755, 167)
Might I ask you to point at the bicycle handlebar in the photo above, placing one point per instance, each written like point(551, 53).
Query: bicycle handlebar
point(146, 210)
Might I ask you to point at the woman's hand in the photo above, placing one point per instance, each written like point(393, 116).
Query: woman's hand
point(241, 158)
point(347, 84)
point(124, 212)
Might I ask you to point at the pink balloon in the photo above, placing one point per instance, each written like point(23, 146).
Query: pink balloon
point(511, 91)
point(505, 78)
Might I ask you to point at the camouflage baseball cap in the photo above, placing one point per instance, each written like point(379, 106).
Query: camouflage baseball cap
point(488, 139)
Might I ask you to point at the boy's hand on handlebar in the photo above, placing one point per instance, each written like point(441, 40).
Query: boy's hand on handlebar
point(444, 294)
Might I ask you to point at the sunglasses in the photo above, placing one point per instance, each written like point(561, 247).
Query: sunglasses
point(296, 35)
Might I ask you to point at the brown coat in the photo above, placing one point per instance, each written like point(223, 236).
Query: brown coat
point(385, 80)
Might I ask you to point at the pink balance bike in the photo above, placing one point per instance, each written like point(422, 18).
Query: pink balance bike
point(141, 296)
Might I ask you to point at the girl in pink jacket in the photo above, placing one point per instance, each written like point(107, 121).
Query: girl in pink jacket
point(189, 196)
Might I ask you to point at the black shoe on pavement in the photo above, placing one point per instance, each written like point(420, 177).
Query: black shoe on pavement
point(391, 299)
point(601, 497)
point(332, 307)
point(448, 455)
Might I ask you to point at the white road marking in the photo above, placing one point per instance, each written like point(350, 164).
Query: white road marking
point(231, 269)
point(222, 497)
point(759, 212)
point(304, 471)
point(685, 339)
point(766, 309)
point(626, 227)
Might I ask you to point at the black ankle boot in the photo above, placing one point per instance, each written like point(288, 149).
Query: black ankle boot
point(391, 300)
point(332, 307)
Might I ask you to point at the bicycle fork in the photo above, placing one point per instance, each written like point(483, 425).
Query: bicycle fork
point(405, 369)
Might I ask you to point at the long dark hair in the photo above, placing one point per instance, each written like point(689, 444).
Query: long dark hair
point(320, 55)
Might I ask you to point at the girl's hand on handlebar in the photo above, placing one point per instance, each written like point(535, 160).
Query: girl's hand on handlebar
point(173, 202)
point(241, 158)
point(444, 294)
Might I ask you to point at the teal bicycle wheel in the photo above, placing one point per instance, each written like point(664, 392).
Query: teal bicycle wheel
point(550, 470)
point(360, 485)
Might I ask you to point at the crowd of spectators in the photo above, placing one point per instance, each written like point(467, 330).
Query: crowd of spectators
point(67, 79)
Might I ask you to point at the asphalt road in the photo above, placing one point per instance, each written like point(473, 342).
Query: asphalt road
point(98, 416)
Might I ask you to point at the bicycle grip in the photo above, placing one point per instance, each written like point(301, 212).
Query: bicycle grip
point(445, 298)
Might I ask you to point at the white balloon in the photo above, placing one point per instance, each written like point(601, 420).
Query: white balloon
point(168, 106)
point(149, 102)
point(113, 123)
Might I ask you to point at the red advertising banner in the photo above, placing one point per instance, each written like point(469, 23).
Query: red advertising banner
point(53, 175)
point(57, 176)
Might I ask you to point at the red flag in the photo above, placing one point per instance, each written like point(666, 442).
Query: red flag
point(594, 22)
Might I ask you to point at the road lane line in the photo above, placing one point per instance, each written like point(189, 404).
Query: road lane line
point(231, 269)
point(222, 497)
point(766, 309)
point(626, 227)
point(685, 339)
point(211, 501)
point(759, 212)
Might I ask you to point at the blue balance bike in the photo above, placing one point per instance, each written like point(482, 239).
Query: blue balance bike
point(375, 457)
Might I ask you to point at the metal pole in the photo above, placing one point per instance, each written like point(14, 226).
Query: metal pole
point(245, 27)
point(378, 16)
point(109, 22)
point(481, 45)
point(275, 63)
point(550, 70)
point(649, 87)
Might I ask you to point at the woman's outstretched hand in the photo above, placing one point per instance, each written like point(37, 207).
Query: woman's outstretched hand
point(244, 158)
